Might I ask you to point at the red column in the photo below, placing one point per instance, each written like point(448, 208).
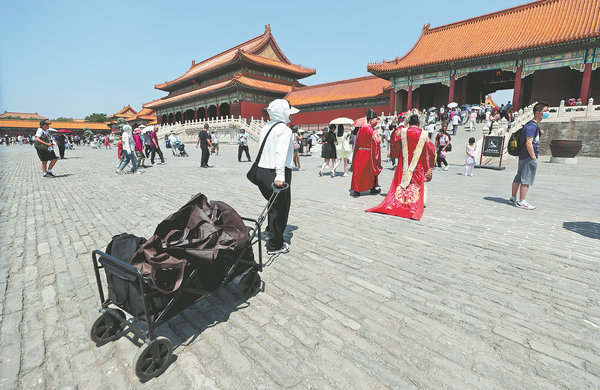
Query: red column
point(205, 113)
point(585, 83)
point(517, 90)
point(217, 110)
point(392, 101)
point(409, 100)
point(451, 91)
point(196, 114)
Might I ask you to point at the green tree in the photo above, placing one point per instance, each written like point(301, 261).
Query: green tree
point(63, 119)
point(96, 117)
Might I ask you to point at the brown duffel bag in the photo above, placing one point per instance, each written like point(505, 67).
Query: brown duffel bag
point(196, 233)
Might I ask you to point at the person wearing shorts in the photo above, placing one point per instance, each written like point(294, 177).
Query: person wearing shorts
point(45, 154)
point(528, 158)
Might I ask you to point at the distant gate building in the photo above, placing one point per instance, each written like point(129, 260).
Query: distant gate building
point(545, 50)
point(240, 81)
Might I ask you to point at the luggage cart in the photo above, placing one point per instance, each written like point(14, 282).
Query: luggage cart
point(132, 293)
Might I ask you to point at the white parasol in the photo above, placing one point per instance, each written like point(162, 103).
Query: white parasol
point(342, 121)
point(452, 105)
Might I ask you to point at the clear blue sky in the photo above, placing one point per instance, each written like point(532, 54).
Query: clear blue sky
point(74, 58)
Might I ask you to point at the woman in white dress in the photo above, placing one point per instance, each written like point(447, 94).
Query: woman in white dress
point(343, 149)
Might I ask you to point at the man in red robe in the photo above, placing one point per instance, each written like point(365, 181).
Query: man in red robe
point(366, 160)
point(406, 197)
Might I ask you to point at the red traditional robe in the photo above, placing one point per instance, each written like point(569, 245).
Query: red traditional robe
point(406, 197)
point(366, 160)
point(395, 145)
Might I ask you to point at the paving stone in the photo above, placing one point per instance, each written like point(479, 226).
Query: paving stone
point(360, 301)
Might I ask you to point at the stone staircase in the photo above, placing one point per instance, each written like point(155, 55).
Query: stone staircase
point(228, 128)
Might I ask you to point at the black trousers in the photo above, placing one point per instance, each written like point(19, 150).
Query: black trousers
point(278, 215)
point(147, 149)
point(441, 160)
point(154, 151)
point(243, 148)
point(205, 155)
point(61, 151)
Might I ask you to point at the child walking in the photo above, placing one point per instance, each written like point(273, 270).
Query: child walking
point(470, 158)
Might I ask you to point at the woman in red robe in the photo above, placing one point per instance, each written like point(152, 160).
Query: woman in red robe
point(406, 197)
point(366, 160)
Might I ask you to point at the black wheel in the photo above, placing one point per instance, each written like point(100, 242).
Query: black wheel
point(250, 284)
point(107, 328)
point(152, 359)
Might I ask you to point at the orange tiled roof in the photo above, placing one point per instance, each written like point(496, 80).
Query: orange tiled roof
point(352, 89)
point(24, 115)
point(246, 50)
point(540, 23)
point(125, 112)
point(144, 114)
point(55, 125)
point(277, 64)
point(239, 79)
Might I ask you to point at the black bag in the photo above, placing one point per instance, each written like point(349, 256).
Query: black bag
point(251, 175)
point(516, 142)
point(123, 246)
point(40, 146)
point(449, 147)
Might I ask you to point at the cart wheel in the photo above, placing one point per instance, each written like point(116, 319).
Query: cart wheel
point(250, 284)
point(152, 359)
point(107, 328)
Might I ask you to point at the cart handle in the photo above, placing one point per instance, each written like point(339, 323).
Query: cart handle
point(279, 189)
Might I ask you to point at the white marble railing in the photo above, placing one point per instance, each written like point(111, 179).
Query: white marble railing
point(228, 128)
point(562, 111)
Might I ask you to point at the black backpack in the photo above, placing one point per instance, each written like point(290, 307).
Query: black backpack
point(123, 246)
point(516, 142)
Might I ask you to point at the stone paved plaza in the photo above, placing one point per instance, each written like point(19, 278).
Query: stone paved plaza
point(476, 295)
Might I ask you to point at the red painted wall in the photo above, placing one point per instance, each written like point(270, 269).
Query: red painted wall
point(553, 85)
point(324, 117)
point(251, 109)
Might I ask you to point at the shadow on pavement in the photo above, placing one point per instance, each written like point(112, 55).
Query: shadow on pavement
point(588, 229)
point(496, 199)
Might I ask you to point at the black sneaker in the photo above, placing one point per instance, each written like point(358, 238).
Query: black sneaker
point(354, 194)
point(375, 190)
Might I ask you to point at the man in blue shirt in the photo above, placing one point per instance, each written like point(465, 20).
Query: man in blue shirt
point(528, 157)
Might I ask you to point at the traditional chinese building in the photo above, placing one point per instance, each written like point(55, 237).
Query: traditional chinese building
point(239, 81)
point(544, 50)
point(22, 115)
point(29, 127)
point(319, 104)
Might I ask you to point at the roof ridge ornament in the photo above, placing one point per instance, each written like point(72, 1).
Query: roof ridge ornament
point(426, 27)
point(267, 28)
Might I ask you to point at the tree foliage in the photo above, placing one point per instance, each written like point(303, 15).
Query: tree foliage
point(96, 117)
point(63, 119)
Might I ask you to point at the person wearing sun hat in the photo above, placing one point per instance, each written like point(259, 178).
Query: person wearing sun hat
point(275, 169)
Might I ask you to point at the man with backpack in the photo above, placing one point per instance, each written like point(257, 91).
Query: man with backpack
point(529, 144)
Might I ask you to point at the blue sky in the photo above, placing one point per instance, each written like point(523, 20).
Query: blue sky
point(74, 58)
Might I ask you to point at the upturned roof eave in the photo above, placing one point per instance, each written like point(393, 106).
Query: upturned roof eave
point(488, 58)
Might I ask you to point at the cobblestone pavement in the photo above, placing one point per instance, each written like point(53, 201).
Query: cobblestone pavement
point(477, 295)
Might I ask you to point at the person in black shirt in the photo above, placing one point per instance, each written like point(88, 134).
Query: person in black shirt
point(328, 152)
point(60, 141)
point(204, 141)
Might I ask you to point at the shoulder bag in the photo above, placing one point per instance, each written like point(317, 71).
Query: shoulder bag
point(251, 175)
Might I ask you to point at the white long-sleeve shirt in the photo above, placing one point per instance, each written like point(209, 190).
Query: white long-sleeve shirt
point(128, 144)
point(278, 152)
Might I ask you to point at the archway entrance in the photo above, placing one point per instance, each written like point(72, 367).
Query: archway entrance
point(171, 121)
point(178, 117)
point(201, 112)
point(212, 112)
point(224, 109)
point(188, 115)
